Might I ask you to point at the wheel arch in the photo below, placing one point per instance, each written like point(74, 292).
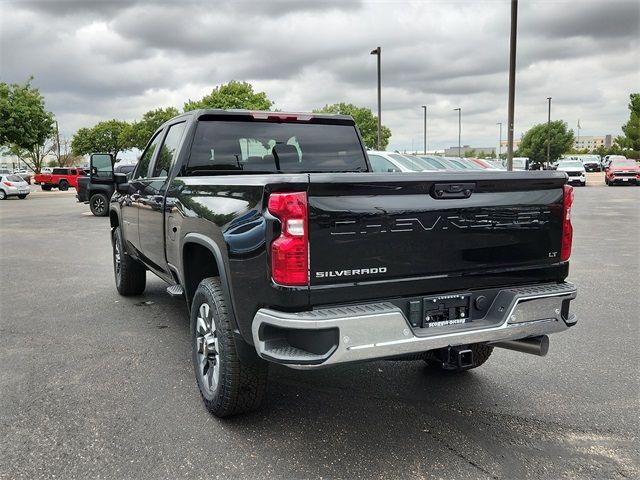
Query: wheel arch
point(114, 220)
point(201, 257)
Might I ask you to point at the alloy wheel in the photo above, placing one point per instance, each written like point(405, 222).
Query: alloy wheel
point(98, 204)
point(207, 349)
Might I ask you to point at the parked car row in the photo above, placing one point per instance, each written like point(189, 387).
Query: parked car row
point(396, 162)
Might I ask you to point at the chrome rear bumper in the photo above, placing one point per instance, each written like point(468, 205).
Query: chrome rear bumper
point(379, 330)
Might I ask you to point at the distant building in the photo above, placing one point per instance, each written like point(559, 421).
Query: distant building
point(585, 141)
point(453, 151)
point(505, 143)
point(592, 142)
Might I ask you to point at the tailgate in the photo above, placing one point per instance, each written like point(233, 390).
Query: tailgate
point(392, 229)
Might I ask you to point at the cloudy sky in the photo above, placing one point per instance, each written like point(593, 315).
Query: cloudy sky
point(103, 59)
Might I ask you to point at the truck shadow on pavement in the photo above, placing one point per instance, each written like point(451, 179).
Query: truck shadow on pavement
point(397, 418)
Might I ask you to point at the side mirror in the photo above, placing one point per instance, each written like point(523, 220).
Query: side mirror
point(122, 182)
point(101, 165)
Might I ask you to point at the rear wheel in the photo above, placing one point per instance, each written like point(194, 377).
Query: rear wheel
point(131, 275)
point(227, 384)
point(22, 197)
point(437, 358)
point(63, 186)
point(3, 195)
point(98, 204)
point(46, 188)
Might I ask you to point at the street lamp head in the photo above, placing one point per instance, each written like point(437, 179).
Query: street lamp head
point(376, 51)
point(459, 109)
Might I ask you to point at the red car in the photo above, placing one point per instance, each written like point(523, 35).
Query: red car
point(622, 171)
point(61, 178)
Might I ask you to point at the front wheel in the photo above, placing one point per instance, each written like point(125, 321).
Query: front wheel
point(3, 195)
point(98, 204)
point(63, 186)
point(227, 384)
point(131, 275)
point(46, 188)
point(22, 197)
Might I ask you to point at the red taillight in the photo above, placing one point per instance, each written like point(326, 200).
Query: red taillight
point(8, 184)
point(290, 251)
point(567, 229)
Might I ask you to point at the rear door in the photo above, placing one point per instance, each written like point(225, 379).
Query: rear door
point(151, 200)
point(412, 233)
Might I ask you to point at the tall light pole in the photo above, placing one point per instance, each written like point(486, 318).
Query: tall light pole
point(549, 134)
point(500, 140)
point(425, 128)
point(459, 109)
point(512, 82)
point(378, 52)
point(578, 142)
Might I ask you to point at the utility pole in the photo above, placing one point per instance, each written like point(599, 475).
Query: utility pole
point(512, 82)
point(425, 128)
point(378, 52)
point(578, 142)
point(549, 134)
point(58, 141)
point(500, 141)
point(459, 109)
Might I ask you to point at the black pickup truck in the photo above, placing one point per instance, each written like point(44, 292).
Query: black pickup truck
point(97, 188)
point(289, 250)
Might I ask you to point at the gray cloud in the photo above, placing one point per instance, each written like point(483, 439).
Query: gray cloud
point(95, 60)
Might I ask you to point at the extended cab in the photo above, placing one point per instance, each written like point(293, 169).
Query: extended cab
point(61, 178)
point(289, 250)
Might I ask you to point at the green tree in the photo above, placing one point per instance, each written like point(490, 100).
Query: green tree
point(26, 127)
point(138, 133)
point(366, 122)
point(534, 142)
point(233, 95)
point(630, 141)
point(109, 137)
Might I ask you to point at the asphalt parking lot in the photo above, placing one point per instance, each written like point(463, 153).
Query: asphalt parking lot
point(94, 385)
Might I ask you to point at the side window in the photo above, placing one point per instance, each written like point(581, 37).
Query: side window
point(381, 164)
point(168, 151)
point(142, 171)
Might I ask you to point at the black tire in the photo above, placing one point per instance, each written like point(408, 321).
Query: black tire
point(3, 195)
point(611, 184)
point(46, 188)
point(481, 353)
point(583, 184)
point(130, 275)
point(228, 385)
point(22, 197)
point(63, 186)
point(99, 204)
